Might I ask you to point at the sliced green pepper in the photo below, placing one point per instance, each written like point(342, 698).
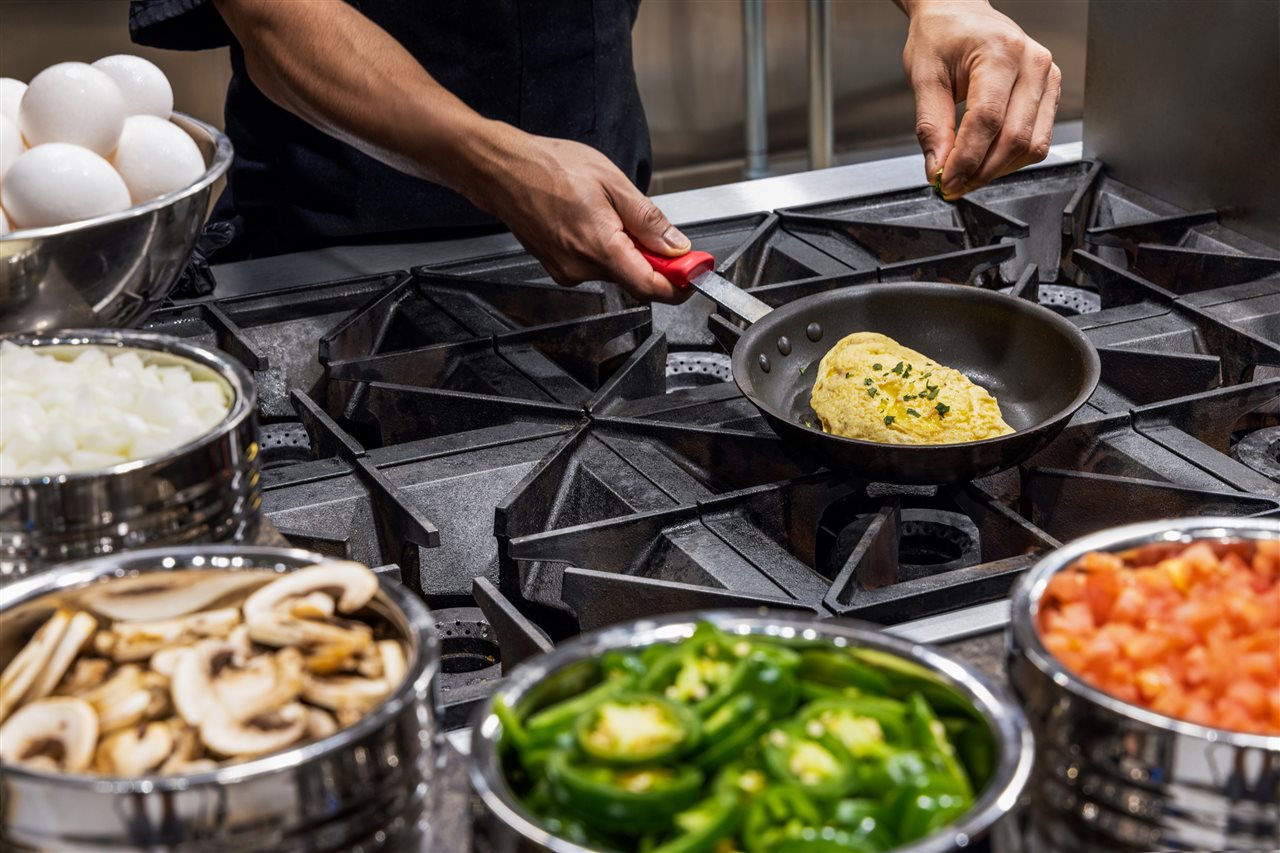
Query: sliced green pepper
point(817, 764)
point(732, 729)
point(865, 819)
point(621, 800)
point(563, 715)
point(840, 669)
point(825, 839)
point(742, 779)
point(931, 737)
point(637, 728)
point(706, 823)
point(904, 677)
point(976, 746)
point(775, 813)
point(926, 803)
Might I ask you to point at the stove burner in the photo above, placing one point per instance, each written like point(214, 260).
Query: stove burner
point(1260, 450)
point(696, 369)
point(930, 542)
point(1066, 300)
point(283, 443)
point(469, 661)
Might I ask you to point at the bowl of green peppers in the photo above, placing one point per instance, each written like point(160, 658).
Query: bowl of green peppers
point(744, 732)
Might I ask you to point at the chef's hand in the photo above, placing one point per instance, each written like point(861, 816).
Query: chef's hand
point(572, 208)
point(963, 50)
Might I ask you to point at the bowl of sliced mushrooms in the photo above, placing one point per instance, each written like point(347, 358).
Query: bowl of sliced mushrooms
point(215, 696)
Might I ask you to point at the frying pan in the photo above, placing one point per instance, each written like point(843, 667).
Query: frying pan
point(1040, 367)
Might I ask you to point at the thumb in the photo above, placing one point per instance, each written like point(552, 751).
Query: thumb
point(647, 224)
point(935, 122)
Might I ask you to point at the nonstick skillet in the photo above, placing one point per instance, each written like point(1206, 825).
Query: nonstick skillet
point(1040, 367)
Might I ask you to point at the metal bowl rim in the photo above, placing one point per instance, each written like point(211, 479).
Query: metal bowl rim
point(71, 575)
point(235, 374)
point(1010, 727)
point(1025, 604)
point(219, 163)
point(1092, 369)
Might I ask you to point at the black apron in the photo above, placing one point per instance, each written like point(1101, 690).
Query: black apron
point(558, 68)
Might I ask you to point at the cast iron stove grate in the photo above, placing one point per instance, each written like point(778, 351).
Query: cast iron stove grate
point(565, 459)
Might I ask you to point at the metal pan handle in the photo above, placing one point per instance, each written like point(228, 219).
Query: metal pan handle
point(697, 270)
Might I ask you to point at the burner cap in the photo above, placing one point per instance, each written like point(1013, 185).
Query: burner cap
point(930, 542)
point(1260, 450)
point(696, 369)
point(1067, 300)
point(283, 443)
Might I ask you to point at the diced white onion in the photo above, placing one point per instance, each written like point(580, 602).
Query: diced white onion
point(99, 408)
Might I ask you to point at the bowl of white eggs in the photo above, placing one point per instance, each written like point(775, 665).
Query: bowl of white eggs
point(103, 191)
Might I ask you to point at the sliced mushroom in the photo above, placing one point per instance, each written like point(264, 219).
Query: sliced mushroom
point(58, 733)
point(265, 682)
point(345, 692)
point(348, 716)
point(351, 585)
point(394, 665)
point(161, 704)
point(28, 664)
point(135, 751)
point(192, 684)
point(354, 655)
point(186, 747)
point(313, 605)
point(140, 640)
point(157, 596)
point(320, 723)
point(225, 735)
point(122, 700)
point(369, 662)
point(79, 631)
point(85, 675)
point(277, 629)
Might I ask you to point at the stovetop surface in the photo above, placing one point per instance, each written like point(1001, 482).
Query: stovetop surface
point(538, 461)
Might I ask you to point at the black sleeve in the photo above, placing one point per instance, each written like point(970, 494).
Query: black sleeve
point(178, 24)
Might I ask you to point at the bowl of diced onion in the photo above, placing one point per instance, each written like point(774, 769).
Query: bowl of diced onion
point(118, 439)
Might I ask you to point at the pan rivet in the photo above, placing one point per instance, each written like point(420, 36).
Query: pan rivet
point(784, 345)
point(814, 331)
point(764, 362)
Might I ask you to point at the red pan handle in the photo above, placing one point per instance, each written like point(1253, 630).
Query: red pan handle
point(679, 270)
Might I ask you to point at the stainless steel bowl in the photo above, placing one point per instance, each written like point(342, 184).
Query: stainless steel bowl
point(206, 489)
point(109, 271)
point(1111, 776)
point(363, 788)
point(503, 826)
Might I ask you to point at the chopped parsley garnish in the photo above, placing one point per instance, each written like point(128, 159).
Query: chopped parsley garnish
point(802, 370)
point(913, 413)
point(877, 366)
point(867, 381)
point(907, 397)
point(906, 372)
point(888, 419)
point(932, 392)
point(848, 375)
point(897, 368)
point(871, 392)
point(942, 408)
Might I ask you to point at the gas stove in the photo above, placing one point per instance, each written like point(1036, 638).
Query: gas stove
point(538, 461)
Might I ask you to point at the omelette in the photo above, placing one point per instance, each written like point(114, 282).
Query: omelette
point(873, 388)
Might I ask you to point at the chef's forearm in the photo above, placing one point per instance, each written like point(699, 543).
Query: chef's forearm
point(330, 65)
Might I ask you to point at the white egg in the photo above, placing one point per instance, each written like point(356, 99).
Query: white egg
point(72, 102)
point(11, 92)
point(145, 89)
point(11, 146)
point(4, 222)
point(57, 183)
point(156, 157)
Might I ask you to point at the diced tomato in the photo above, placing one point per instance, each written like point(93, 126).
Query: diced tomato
point(1192, 633)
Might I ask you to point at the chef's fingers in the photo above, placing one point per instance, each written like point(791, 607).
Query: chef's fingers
point(628, 268)
point(990, 86)
point(645, 221)
point(1022, 140)
point(935, 114)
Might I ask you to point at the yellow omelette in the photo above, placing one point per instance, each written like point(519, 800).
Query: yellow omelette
point(873, 388)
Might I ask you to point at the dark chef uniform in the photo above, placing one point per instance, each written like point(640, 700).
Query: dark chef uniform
point(558, 68)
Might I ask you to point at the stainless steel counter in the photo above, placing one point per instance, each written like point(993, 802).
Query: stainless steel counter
point(691, 206)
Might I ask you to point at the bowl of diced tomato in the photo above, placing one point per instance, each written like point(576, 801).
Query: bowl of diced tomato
point(1147, 658)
